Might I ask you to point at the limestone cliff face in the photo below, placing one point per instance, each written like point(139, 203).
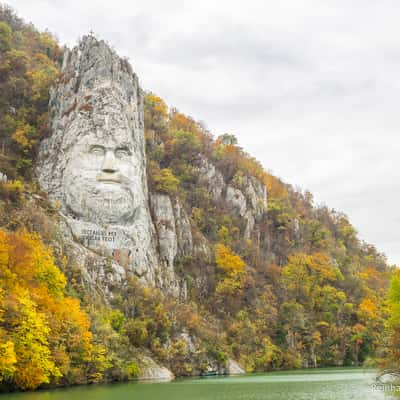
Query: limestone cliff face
point(93, 166)
point(249, 203)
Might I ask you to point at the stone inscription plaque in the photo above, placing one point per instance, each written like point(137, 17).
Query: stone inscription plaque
point(92, 235)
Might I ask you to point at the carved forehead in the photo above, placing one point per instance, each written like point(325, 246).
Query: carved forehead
point(102, 116)
point(83, 133)
point(111, 138)
point(106, 139)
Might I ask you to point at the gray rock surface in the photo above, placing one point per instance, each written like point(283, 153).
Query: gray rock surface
point(183, 231)
point(174, 236)
point(250, 203)
point(236, 201)
point(164, 221)
point(256, 193)
point(150, 370)
point(233, 368)
point(94, 166)
point(212, 178)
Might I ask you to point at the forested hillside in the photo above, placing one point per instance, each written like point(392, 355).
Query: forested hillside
point(275, 284)
point(304, 290)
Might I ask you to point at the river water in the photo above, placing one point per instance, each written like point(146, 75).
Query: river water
point(318, 384)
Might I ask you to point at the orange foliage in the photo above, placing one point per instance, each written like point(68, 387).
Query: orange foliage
point(276, 189)
point(157, 104)
point(181, 122)
point(49, 332)
point(367, 310)
point(227, 260)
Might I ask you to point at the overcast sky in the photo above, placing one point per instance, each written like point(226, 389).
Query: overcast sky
point(310, 88)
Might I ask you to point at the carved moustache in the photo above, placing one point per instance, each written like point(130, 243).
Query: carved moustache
point(112, 178)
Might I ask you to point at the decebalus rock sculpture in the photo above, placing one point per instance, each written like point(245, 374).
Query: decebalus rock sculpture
point(93, 165)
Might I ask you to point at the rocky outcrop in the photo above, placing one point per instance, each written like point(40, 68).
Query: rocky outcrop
point(233, 368)
point(183, 231)
point(212, 178)
point(256, 193)
point(164, 221)
point(173, 228)
point(174, 234)
point(249, 203)
point(236, 201)
point(150, 370)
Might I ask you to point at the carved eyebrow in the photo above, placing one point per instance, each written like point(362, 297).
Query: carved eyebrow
point(124, 145)
point(121, 146)
point(123, 149)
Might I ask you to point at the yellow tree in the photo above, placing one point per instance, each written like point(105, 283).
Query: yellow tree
point(30, 335)
point(8, 358)
point(232, 269)
point(47, 331)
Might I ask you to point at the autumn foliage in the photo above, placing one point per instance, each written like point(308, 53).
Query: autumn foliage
point(44, 334)
point(232, 269)
point(304, 287)
point(300, 290)
point(28, 67)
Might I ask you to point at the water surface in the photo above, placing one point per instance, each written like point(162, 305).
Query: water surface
point(318, 384)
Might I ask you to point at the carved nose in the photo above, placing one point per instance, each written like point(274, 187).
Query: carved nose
point(109, 163)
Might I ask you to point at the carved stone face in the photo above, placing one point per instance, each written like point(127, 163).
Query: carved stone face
point(98, 185)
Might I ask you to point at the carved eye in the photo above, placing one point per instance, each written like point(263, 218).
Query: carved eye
point(120, 153)
point(97, 150)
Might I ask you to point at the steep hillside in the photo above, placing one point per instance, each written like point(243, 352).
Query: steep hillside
point(209, 262)
point(279, 271)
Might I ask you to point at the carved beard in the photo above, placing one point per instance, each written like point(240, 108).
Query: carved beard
point(99, 203)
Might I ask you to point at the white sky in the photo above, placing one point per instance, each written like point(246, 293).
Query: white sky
point(310, 88)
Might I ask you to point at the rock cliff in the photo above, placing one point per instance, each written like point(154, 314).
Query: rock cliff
point(93, 166)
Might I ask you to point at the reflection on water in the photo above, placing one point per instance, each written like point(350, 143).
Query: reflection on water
point(318, 384)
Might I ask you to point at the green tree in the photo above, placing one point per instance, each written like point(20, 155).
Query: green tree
point(165, 181)
point(5, 37)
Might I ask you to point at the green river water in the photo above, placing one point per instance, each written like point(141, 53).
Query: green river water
point(318, 384)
